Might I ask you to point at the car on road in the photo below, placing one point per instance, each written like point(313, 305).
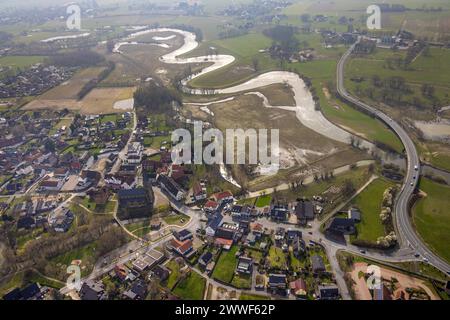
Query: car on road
point(417, 255)
point(425, 259)
point(362, 251)
point(416, 168)
point(310, 232)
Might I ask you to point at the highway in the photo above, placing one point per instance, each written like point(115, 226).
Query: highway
point(406, 234)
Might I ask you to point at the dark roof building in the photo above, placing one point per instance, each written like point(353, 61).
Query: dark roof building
point(304, 211)
point(328, 292)
point(183, 235)
point(277, 281)
point(279, 213)
point(317, 263)
point(339, 227)
point(169, 185)
point(91, 290)
point(135, 203)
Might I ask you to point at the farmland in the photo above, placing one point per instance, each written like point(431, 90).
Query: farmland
point(432, 218)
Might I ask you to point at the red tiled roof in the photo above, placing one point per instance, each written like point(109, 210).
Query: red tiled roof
point(222, 195)
point(197, 188)
point(181, 246)
point(224, 242)
point(211, 205)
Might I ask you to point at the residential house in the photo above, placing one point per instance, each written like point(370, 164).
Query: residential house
point(298, 247)
point(293, 235)
point(169, 185)
point(241, 213)
point(33, 291)
point(304, 211)
point(328, 292)
point(161, 272)
point(148, 260)
point(337, 228)
point(354, 214)
point(213, 223)
point(26, 222)
point(211, 207)
point(318, 266)
point(205, 259)
point(245, 265)
point(183, 248)
point(51, 184)
point(135, 203)
point(223, 197)
point(198, 192)
point(277, 282)
point(121, 272)
point(279, 213)
point(298, 288)
point(183, 235)
point(61, 220)
point(100, 196)
point(138, 291)
point(92, 290)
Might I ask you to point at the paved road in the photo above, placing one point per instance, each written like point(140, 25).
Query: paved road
point(405, 231)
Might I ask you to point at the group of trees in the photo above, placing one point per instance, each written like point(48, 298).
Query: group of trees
point(155, 98)
point(284, 41)
point(93, 82)
point(77, 58)
point(396, 90)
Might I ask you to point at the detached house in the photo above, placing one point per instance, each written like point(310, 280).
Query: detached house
point(304, 211)
point(223, 197)
point(135, 203)
point(183, 248)
point(198, 192)
point(169, 185)
point(211, 207)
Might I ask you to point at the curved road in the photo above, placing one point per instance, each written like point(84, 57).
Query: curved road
point(405, 231)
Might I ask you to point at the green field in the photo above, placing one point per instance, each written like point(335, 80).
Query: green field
point(226, 265)
point(19, 62)
point(248, 296)
point(432, 69)
point(191, 288)
point(432, 217)
point(277, 258)
point(369, 202)
point(175, 219)
point(174, 268)
point(263, 201)
point(242, 281)
point(21, 279)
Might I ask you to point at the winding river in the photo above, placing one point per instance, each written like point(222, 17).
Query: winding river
point(304, 108)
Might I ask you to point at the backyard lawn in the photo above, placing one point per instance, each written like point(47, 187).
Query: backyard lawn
point(226, 265)
point(263, 201)
point(369, 202)
point(191, 288)
point(242, 281)
point(277, 258)
point(174, 268)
